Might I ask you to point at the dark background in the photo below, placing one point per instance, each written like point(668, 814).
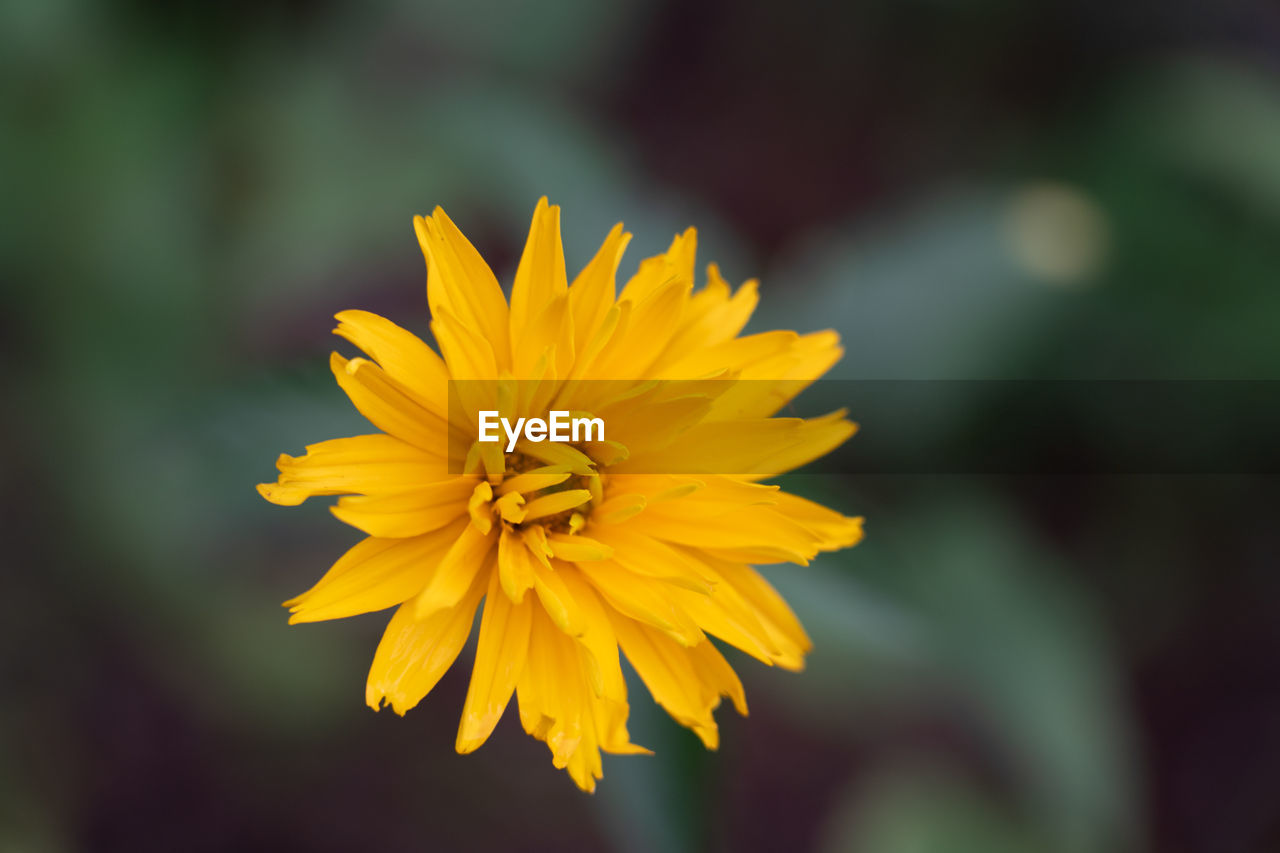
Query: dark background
point(965, 190)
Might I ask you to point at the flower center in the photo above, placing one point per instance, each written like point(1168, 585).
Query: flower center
point(545, 488)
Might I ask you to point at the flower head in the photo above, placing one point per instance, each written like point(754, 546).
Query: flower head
point(641, 540)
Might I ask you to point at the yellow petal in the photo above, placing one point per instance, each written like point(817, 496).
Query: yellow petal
point(735, 354)
point(535, 480)
point(404, 356)
point(596, 636)
point(415, 653)
point(638, 552)
point(460, 282)
point(373, 575)
point(551, 688)
point(676, 262)
point(618, 508)
point(578, 548)
point(673, 678)
point(585, 358)
point(544, 350)
point(535, 539)
point(500, 658)
point(387, 407)
point(540, 276)
point(554, 503)
point(361, 464)
point(712, 316)
point(556, 598)
point(468, 353)
point(510, 507)
point(592, 293)
point(515, 565)
point(559, 705)
point(412, 512)
point(478, 507)
point(558, 455)
point(654, 424)
point(772, 610)
point(750, 527)
point(833, 529)
point(642, 599)
point(767, 384)
point(466, 556)
point(716, 673)
point(724, 613)
point(704, 496)
point(643, 332)
point(655, 488)
point(537, 689)
point(754, 448)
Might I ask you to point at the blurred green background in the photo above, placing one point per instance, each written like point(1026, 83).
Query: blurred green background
point(982, 189)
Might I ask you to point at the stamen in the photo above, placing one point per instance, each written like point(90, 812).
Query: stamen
point(555, 503)
point(535, 480)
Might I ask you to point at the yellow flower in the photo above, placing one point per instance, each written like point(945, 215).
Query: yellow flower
point(642, 541)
